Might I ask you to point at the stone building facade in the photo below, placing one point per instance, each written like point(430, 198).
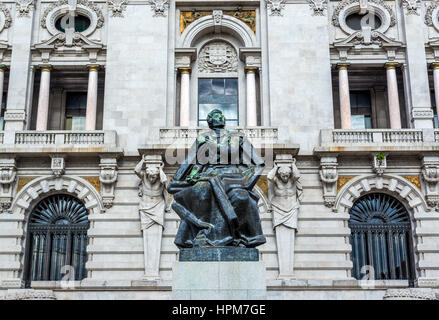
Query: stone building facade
point(344, 91)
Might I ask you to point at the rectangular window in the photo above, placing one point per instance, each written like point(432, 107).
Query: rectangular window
point(361, 110)
point(76, 105)
point(218, 93)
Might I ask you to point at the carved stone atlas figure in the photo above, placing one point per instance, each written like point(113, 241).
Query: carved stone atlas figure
point(213, 190)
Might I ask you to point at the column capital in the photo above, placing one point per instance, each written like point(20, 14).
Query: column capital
point(45, 67)
point(391, 65)
point(251, 69)
point(185, 70)
point(93, 67)
point(343, 65)
point(434, 65)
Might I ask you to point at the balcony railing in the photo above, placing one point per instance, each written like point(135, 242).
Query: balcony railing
point(188, 135)
point(57, 139)
point(416, 138)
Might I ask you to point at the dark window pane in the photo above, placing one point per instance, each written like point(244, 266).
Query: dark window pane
point(81, 23)
point(218, 86)
point(219, 94)
point(232, 87)
point(354, 21)
point(76, 100)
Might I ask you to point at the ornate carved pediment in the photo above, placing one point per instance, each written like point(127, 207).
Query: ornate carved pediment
point(59, 43)
point(59, 40)
point(373, 38)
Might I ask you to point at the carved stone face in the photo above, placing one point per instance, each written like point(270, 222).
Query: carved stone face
point(284, 174)
point(152, 174)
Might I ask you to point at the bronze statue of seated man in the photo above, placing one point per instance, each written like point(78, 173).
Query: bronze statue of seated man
point(213, 190)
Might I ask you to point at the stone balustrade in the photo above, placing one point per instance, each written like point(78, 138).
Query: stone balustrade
point(188, 135)
point(405, 139)
point(35, 140)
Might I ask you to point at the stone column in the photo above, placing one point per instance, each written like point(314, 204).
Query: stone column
point(252, 118)
point(435, 67)
point(43, 98)
point(418, 97)
point(2, 78)
point(92, 97)
point(185, 96)
point(345, 100)
point(393, 95)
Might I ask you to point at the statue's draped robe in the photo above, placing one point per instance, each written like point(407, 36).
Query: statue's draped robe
point(202, 200)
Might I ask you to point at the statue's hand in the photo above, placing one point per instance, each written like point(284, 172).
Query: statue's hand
point(204, 225)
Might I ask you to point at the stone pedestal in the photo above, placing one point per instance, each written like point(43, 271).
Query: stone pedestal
point(224, 276)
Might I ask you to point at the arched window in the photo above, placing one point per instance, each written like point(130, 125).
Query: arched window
point(57, 237)
point(381, 238)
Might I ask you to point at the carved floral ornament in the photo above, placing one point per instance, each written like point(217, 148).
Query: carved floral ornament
point(117, 7)
point(5, 18)
point(217, 56)
point(159, 7)
point(24, 7)
point(412, 6)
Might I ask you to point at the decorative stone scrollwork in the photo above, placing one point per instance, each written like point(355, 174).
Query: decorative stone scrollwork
point(117, 7)
point(217, 56)
point(275, 7)
point(58, 165)
point(108, 178)
point(154, 202)
point(318, 7)
point(24, 7)
point(61, 7)
point(285, 193)
point(5, 18)
point(8, 173)
point(430, 174)
point(329, 176)
point(412, 6)
point(432, 15)
point(379, 7)
point(160, 7)
point(379, 163)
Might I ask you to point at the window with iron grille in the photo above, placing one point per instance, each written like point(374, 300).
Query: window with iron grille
point(57, 237)
point(381, 238)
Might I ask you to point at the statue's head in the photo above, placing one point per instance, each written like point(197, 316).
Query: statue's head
point(152, 174)
point(216, 119)
point(284, 173)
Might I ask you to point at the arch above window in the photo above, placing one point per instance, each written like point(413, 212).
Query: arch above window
point(205, 25)
point(397, 186)
point(76, 186)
